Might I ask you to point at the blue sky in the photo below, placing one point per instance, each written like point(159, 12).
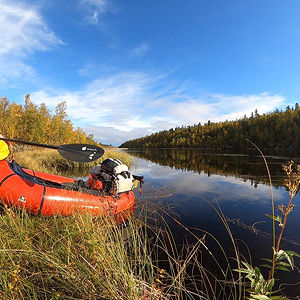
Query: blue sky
point(133, 67)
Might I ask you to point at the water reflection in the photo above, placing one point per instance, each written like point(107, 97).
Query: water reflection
point(245, 195)
point(248, 166)
point(191, 181)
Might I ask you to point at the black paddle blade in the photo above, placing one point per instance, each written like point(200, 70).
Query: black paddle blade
point(80, 152)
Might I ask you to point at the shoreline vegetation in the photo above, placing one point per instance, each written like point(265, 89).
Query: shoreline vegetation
point(50, 161)
point(85, 257)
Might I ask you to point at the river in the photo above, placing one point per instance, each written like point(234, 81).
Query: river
point(197, 183)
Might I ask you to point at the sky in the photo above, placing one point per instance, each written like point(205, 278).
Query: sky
point(129, 68)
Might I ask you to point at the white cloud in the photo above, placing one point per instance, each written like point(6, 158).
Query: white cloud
point(218, 107)
point(133, 104)
point(23, 32)
point(94, 9)
point(116, 101)
point(110, 135)
point(140, 50)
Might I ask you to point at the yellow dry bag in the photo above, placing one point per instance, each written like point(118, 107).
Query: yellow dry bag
point(4, 150)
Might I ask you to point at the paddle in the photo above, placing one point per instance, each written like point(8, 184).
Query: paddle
point(74, 152)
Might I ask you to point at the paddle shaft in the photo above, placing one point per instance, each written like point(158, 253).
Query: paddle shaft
point(30, 143)
point(74, 152)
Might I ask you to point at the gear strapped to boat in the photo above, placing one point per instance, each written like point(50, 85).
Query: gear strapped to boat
point(113, 176)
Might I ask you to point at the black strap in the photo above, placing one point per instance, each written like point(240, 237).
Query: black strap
point(17, 169)
point(43, 199)
point(75, 186)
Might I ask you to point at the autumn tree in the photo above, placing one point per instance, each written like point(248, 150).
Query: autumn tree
point(36, 123)
point(273, 130)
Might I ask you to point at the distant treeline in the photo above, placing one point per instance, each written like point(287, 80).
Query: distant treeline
point(248, 166)
point(36, 123)
point(279, 129)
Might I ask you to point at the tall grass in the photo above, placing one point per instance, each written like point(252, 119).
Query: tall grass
point(282, 260)
point(79, 257)
point(196, 271)
point(49, 161)
point(85, 257)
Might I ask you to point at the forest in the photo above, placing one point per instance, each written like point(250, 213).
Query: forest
point(276, 130)
point(36, 123)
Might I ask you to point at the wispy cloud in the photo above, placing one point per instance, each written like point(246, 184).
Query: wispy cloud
point(109, 101)
point(140, 50)
point(94, 9)
point(133, 104)
point(23, 31)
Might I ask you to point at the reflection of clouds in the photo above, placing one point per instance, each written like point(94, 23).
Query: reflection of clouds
point(191, 198)
point(224, 188)
point(152, 170)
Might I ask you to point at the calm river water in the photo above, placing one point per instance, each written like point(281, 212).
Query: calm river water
point(190, 181)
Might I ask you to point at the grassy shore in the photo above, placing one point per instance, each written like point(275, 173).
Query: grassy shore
point(85, 257)
point(79, 257)
point(49, 161)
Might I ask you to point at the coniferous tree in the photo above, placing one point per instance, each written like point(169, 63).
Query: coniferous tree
point(273, 130)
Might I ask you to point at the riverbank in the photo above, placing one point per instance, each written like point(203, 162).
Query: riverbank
point(77, 257)
point(81, 256)
point(85, 257)
point(49, 161)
